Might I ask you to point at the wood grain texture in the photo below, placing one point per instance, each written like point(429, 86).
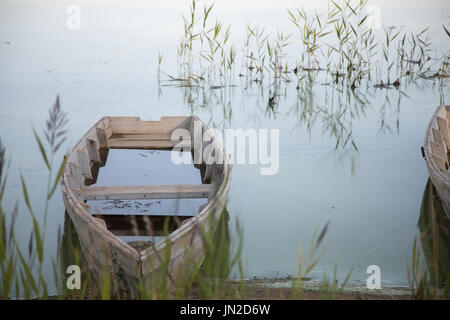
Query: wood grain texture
point(146, 192)
point(84, 164)
point(436, 154)
point(102, 138)
point(140, 144)
point(92, 150)
point(134, 125)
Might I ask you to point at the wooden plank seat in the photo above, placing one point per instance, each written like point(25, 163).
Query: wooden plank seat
point(179, 191)
point(140, 144)
point(141, 141)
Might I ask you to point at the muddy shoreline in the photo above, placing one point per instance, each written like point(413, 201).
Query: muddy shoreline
point(281, 289)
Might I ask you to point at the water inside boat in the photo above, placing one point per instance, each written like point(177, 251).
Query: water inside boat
point(138, 222)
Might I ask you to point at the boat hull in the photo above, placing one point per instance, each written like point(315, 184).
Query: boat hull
point(106, 252)
point(436, 150)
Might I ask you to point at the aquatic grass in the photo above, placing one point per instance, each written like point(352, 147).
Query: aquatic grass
point(338, 49)
point(3, 176)
point(205, 42)
point(8, 259)
point(158, 74)
point(27, 274)
point(341, 40)
point(328, 289)
point(304, 267)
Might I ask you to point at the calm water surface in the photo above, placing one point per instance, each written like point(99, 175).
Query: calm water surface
point(371, 196)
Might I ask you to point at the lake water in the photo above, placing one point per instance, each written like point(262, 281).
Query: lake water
point(371, 195)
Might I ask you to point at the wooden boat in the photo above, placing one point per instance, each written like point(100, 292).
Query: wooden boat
point(100, 245)
point(436, 153)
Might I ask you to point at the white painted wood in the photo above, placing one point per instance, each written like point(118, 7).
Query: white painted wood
point(146, 192)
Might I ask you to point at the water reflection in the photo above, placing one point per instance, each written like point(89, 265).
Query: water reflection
point(70, 251)
point(335, 107)
point(434, 228)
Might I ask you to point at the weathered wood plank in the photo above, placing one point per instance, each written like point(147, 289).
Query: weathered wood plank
point(140, 144)
point(440, 141)
point(101, 221)
point(84, 163)
point(437, 150)
point(443, 129)
point(140, 137)
point(75, 172)
point(74, 184)
point(86, 206)
point(439, 162)
point(92, 150)
point(134, 125)
point(146, 192)
point(107, 127)
point(102, 139)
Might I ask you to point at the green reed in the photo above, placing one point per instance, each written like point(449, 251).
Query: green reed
point(24, 271)
point(339, 42)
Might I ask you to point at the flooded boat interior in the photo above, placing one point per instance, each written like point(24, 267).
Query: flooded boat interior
point(122, 173)
point(138, 222)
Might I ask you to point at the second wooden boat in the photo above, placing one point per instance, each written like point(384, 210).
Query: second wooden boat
point(436, 153)
point(101, 246)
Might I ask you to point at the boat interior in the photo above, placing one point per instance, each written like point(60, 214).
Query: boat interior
point(122, 174)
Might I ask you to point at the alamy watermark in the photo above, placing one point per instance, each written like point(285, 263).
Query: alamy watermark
point(248, 146)
point(374, 280)
point(74, 280)
point(373, 20)
point(73, 21)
